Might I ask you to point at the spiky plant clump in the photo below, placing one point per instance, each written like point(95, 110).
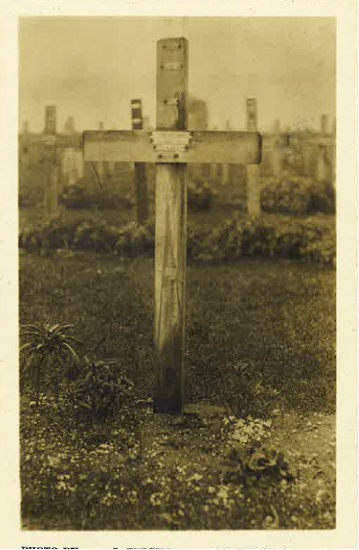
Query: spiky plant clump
point(47, 351)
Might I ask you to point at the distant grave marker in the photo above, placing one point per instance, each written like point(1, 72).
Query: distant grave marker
point(325, 143)
point(253, 184)
point(51, 202)
point(100, 167)
point(48, 147)
point(140, 167)
point(171, 148)
point(324, 125)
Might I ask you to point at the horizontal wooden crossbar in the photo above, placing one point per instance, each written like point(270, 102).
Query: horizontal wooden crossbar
point(63, 141)
point(274, 142)
point(204, 148)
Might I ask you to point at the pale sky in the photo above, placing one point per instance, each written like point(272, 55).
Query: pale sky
point(92, 67)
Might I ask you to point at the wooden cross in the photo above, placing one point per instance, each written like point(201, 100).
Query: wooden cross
point(140, 167)
point(51, 146)
point(324, 142)
point(171, 148)
point(276, 144)
point(327, 150)
point(253, 184)
point(50, 161)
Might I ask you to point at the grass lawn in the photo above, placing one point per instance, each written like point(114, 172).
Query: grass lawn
point(260, 367)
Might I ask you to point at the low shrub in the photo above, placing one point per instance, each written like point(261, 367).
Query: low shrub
point(268, 237)
point(29, 197)
point(99, 391)
point(76, 196)
point(242, 464)
point(47, 352)
point(244, 391)
point(97, 236)
point(200, 196)
point(91, 390)
point(299, 238)
point(297, 196)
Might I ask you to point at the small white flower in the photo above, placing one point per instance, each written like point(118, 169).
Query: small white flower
point(156, 499)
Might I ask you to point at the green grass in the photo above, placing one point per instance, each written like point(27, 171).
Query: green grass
point(275, 317)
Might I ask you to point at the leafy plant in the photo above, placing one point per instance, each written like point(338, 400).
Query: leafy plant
point(244, 391)
point(257, 461)
point(200, 195)
point(99, 391)
point(73, 196)
point(285, 237)
point(47, 347)
point(297, 196)
point(79, 196)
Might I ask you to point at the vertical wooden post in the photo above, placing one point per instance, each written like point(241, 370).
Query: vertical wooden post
point(100, 166)
point(69, 126)
point(334, 153)
point(324, 125)
point(307, 154)
point(51, 203)
point(171, 213)
point(276, 154)
point(140, 167)
point(213, 167)
point(322, 163)
point(253, 188)
point(225, 167)
point(276, 160)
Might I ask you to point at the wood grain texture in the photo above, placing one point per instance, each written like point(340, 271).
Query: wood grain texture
point(140, 167)
point(171, 214)
point(170, 295)
point(206, 147)
point(253, 182)
point(253, 191)
point(141, 191)
point(51, 200)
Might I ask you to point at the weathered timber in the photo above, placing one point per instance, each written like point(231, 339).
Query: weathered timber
point(140, 167)
point(171, 219)
point(253, 182)
point(171, 147)
point(50, 168)
point(206, 147)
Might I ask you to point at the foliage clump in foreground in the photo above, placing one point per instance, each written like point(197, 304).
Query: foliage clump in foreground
point(204, 470)
point(99, 392)
point(166, 473)
point(48, 352)
point(93, 389)
point(138, 470)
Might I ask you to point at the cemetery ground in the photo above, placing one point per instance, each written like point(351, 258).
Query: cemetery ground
point(255, 448)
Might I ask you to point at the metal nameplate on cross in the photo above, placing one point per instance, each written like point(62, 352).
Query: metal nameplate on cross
point(171, 147)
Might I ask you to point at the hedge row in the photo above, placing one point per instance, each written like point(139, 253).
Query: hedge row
point(311, 238)
point(290, 195)
point(297, 196)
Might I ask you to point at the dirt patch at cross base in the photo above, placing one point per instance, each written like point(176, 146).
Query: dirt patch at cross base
point(176, 444)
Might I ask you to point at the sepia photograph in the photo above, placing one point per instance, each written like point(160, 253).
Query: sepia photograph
point(177, 269)
point(178, 291)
